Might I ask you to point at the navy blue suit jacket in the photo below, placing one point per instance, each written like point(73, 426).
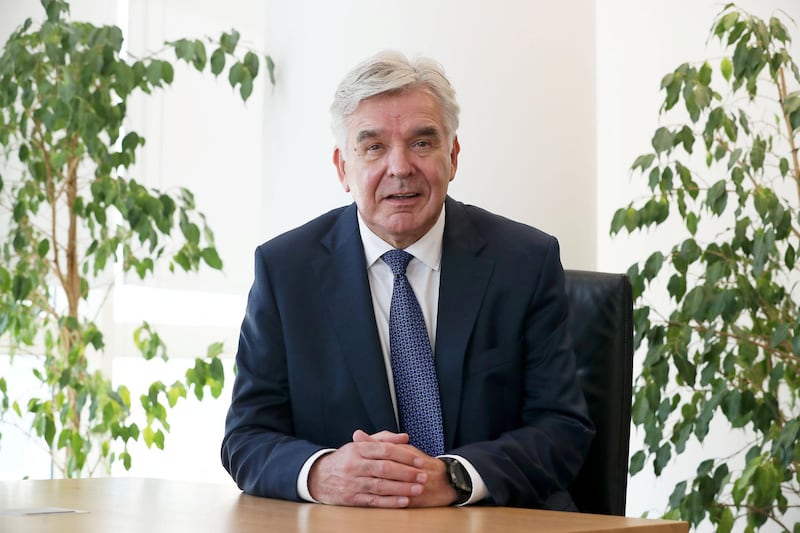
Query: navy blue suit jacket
point(311, 369)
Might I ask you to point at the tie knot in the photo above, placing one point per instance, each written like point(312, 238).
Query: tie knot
point(397, 260)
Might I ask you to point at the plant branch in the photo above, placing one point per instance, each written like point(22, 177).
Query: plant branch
point(782, 92)
point(52, 199)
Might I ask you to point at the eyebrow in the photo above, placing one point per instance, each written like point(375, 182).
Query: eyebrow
point(427, 131)
point(424, 131)
point(366, 134)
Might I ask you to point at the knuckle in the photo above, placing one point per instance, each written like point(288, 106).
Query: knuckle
point(381, 468)
point(372, 501)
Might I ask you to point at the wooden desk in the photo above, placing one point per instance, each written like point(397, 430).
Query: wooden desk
point(117, 505)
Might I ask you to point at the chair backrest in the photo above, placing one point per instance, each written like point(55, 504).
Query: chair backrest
point(601, 326)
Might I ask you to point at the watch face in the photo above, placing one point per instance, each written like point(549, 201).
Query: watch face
point(459, 477)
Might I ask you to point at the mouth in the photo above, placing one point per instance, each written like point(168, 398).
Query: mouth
point(403, 196)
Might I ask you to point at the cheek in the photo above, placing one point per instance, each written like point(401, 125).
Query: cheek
point(369, 182)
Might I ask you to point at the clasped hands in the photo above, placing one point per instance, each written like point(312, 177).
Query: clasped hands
point(380, 470)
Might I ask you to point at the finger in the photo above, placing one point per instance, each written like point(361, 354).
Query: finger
point(381, 470)
point(373, 500)
point(388, 451)
point(390, 436)
point(381, 436)
point(388, 487)
point(362, 436)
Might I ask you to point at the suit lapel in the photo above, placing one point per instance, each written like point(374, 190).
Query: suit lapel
point(343, 278)
point(463, 283)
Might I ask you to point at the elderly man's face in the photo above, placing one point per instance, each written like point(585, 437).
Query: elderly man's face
point(398, 164)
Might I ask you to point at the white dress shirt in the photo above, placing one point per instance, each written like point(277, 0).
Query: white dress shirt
point(423, 273)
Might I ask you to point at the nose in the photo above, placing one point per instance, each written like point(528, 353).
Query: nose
point(399, 164)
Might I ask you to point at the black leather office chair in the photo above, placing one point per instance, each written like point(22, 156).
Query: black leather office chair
point(601, 326)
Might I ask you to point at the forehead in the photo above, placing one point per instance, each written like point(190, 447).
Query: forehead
point(396, 112)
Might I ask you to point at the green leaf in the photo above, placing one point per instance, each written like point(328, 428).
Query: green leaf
point(653, 265)
point(185, 50)
point(148, 435)
point(126, 460)
point(691, 223)
point(677, 286)
point(686, 370)
point(686, 136)
point(726, 68)
point(43, 248)
point(154, 70)
point(49, 430)
point(678, 493)
point(662, 140)
point(235, 74)
point(228, 41)
point(631, 219)
point(211, 258)
point(246, 88)
point(167, 72)
point(200, 58)
point(217, 61)
point(618, 221)
point(790, 257)
point(663, 455)
point(725, 523)
point(757, 153)
point(704, 75)
point(784, 166)
point(702, 97)
point(794, 120)
point(158, 439)
point(643, 162)
point(175, 392)
point(21, 287)
point(641, 409)
point(215, 349)
point(717, 197)
point(251, 62)
point(653, 178)
point(637, 462)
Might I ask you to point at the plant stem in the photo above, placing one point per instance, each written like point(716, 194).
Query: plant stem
point(782, 92)
point(73, 287)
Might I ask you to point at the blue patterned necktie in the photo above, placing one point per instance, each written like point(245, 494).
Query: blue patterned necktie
point(413, 367)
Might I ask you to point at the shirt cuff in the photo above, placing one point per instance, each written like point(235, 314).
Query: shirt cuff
point(302, 477)
point(479, 489)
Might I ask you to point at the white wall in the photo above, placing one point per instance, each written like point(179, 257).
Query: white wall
point(524, 77)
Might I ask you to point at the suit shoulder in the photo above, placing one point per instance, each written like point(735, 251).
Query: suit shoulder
point(510, 233)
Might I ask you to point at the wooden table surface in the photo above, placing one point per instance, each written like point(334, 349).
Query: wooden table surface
point(118, 505)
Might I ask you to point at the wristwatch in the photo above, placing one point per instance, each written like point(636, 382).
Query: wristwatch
point(459, 479)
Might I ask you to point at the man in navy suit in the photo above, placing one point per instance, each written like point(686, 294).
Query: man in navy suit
point(314, 412)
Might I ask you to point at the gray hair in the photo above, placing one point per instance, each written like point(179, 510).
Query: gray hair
point(391, 72)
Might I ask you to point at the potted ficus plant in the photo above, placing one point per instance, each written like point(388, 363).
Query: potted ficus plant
point(72, 215)
point(716, 314)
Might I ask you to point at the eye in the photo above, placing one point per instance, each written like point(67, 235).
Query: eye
point(422, 144)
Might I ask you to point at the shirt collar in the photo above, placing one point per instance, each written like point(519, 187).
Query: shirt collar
point(427, 249)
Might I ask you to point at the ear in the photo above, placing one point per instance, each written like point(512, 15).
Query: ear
point(454, 157)
point(339, 163)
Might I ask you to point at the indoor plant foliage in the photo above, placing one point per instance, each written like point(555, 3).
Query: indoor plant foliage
point(727, 347)
point(74, 219)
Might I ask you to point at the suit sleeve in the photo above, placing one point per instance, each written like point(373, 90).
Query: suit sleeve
point(533, 465)
point(259, 449)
